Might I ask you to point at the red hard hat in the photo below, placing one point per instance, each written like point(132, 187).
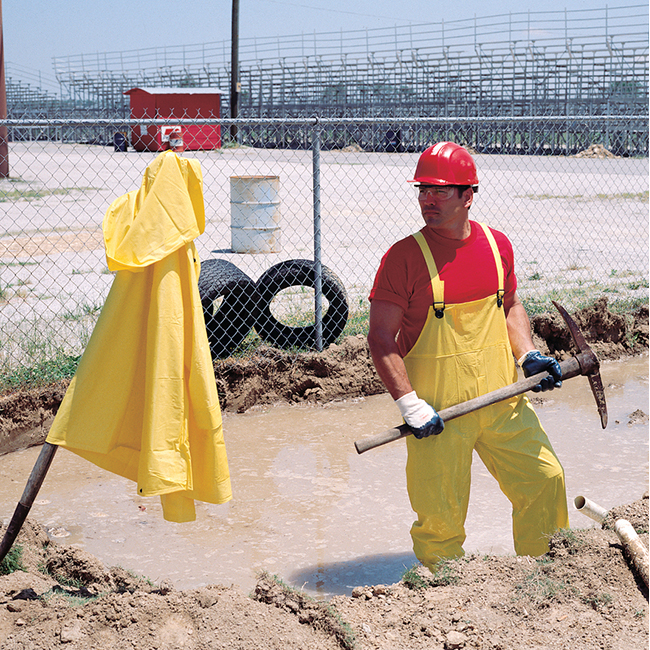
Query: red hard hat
point(446, 163)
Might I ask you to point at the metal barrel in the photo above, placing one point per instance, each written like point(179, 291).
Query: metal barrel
point(255, 214)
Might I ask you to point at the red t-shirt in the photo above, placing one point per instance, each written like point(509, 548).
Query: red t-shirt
point(465, 266)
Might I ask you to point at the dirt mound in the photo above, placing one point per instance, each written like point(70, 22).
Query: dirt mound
point(582, 594)
point(342, 371)
point(595, 151)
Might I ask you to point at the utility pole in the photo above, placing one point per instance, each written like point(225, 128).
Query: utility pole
point(4, 148)
point(235, 86)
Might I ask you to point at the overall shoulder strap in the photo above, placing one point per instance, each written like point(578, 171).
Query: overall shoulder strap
point(497, 261)
point(437, 285)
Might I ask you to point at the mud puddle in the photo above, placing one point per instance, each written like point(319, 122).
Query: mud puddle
point(311, 510)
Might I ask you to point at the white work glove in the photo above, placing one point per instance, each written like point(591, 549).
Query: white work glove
point(421, 417)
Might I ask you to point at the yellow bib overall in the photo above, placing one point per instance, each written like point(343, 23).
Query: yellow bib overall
point(462, 352)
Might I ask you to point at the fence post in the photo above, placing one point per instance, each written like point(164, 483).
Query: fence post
point(318, 268)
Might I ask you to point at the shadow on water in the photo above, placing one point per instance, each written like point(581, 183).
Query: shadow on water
point(337, 578)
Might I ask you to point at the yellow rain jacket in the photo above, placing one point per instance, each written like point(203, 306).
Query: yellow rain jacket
point(464, 354)
point(143, 403)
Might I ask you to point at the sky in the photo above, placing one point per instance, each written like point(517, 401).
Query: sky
point(36, 31)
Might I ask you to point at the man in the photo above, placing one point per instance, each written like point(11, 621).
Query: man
point(445, 322)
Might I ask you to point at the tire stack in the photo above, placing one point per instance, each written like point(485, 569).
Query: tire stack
point(233, 304)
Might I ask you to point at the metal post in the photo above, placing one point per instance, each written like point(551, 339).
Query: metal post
point(318, 268)
point(4, 147)
point(234, 68)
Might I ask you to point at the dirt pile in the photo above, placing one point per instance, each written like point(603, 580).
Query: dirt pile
point(582, 594)
point(596, 151)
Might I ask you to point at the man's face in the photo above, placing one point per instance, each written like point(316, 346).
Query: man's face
point(443, 206)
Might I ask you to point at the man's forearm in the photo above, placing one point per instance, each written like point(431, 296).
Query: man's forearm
point(519, 334)
point(390, 368)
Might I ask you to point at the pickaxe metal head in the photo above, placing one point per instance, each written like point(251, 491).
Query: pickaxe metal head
point(589, 364)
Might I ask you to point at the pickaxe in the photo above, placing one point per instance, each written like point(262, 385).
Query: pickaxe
point(584, 363)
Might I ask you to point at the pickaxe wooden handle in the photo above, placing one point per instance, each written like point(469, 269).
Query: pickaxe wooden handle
point(34, 483)
point(584, 363)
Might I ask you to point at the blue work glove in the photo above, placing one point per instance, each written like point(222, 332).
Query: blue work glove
point(533, 362)
point(421, 417)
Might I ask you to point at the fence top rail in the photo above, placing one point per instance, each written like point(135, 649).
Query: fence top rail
point(317, 121)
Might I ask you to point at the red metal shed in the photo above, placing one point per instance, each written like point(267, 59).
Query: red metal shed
point(175, 103)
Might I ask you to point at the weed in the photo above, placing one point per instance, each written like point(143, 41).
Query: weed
point(75, 598)
point(565, 538)
point(638, 284)
point(35, 195)
point(82, 311)
point(13, 561)
point(540, 589)
point(597, 601)
point(634, 196)
point(18, 263)
point(357, 322)
point(445, 574)
point(40, 374)
point(74, 583)
point(535, 276)
point(413, 579)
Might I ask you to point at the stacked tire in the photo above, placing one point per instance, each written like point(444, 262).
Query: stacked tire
point(233, 304)
point(295, 273)
point(229, 301)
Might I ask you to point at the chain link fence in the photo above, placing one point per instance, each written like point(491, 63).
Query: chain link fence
point(299, 213)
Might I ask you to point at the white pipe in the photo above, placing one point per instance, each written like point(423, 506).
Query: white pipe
point(635, 548)
point(631, 542)
point(591, 509)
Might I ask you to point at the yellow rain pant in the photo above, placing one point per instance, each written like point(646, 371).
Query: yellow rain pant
point(462, 355)
point(143, 403)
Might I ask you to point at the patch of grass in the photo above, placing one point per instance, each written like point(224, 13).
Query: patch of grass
point(597, 601)
point(633, 196)
point(535, 276)
point(540, 589)
point(35, 195)
point(82, 311)
point(18, 264)
point(358, 320)
point(568, 539)
point(638, 284)
point(545, 197)
point(43, 373)
point(578, 297)
point(445, 574)
point(13, 561)
point(417, 579)
point(74, 597)
point(413, 579)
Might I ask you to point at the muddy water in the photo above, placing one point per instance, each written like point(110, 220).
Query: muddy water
point(308, 508)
